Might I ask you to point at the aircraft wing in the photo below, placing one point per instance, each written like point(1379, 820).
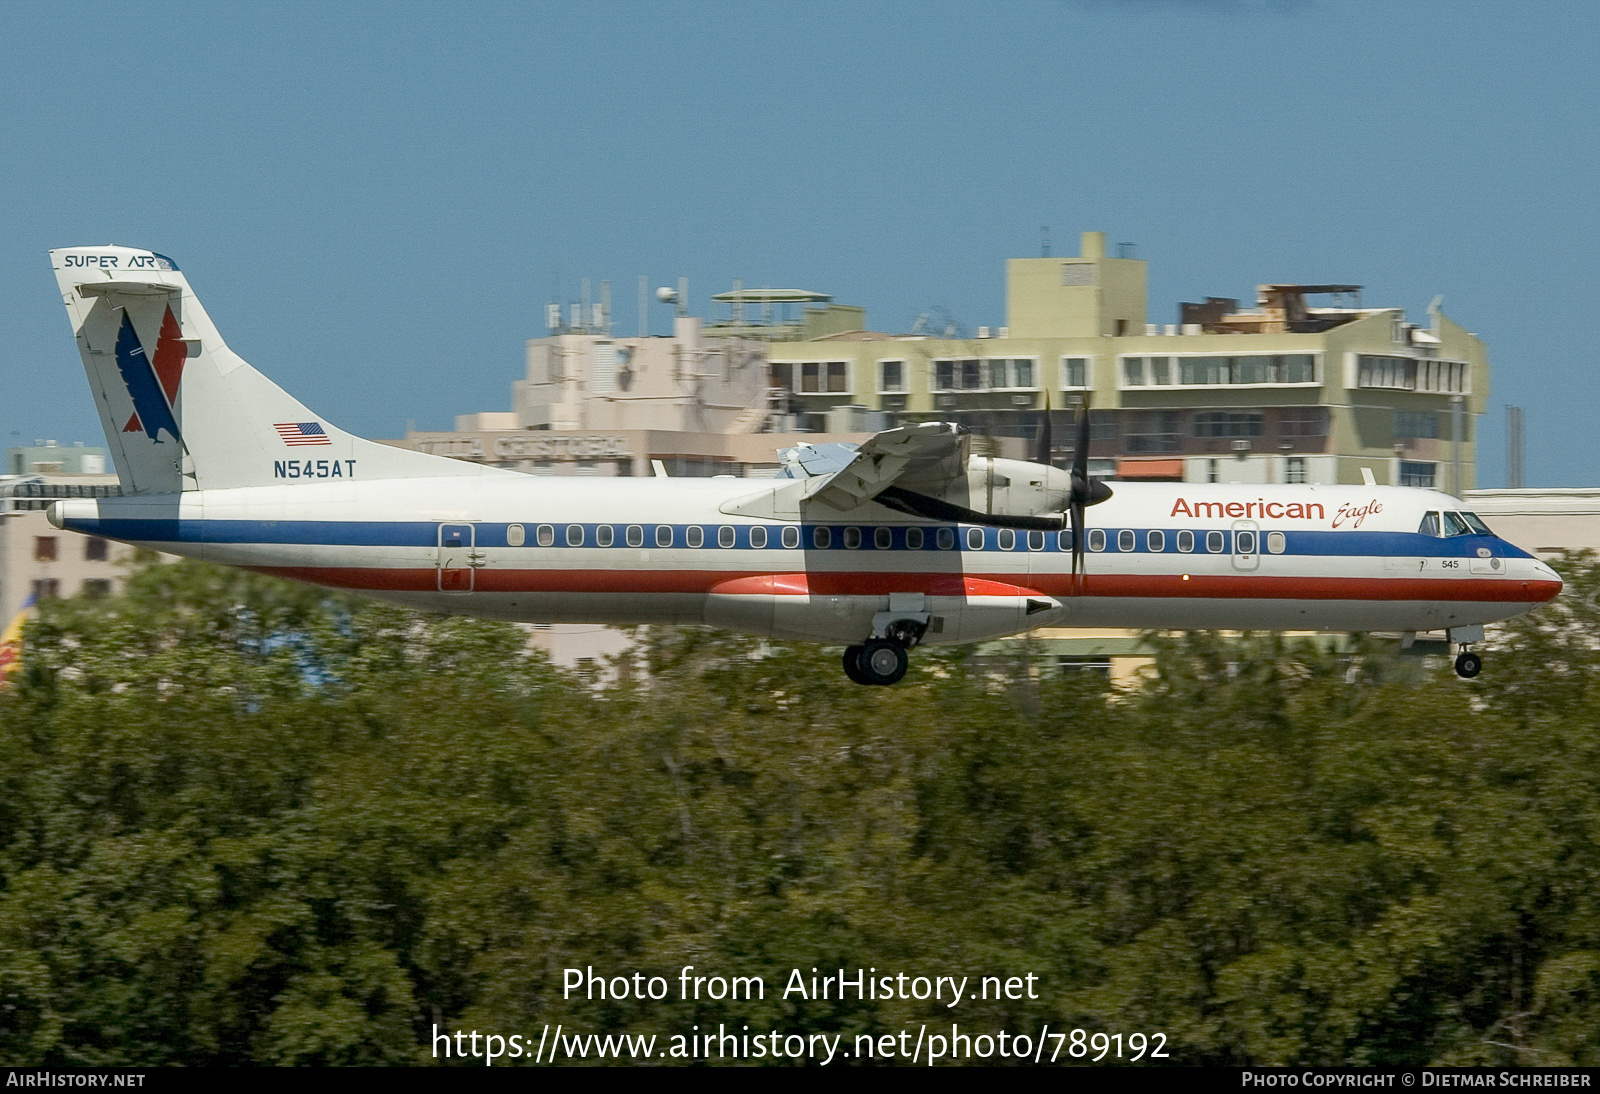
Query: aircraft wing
point(925, 458)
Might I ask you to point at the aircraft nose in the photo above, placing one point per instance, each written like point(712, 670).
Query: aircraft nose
point(1547, 584)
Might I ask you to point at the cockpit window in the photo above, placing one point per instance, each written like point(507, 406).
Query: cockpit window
point(1477, 525)
point(1455, 526)
point(1430, 524)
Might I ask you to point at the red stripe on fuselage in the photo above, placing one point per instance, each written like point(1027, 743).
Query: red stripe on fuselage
point(1161, 586)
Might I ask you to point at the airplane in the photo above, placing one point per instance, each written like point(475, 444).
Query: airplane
point(904, 540)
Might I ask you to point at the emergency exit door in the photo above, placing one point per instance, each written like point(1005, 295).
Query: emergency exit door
point(459, 559)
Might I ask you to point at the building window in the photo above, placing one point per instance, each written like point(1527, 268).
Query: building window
point(1133, 372)
point(1098, 666)
point(838, 377)
point(1143, 371)
point(96, 588)
point(44, 548)
point(96, 549)
point(1294, 469)
point(1225, 423)
point(1303, 421)
point(811, 376)
point(1410, 374)
point(46, 588)
point(1074, 372)
point(1411, 424)
point(891, 376)
point(1271, 368)
point(1153, 431)
point(1417, 474)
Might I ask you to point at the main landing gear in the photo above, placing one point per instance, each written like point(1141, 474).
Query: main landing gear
point(880, 661)
point(883, 660)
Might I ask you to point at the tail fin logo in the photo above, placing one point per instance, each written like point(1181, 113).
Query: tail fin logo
point(152, 385)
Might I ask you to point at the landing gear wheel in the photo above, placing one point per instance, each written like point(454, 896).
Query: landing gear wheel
point(882, 661)
point(1468, 664)
point(852, 665)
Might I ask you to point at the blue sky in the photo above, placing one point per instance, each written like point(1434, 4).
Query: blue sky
point(375, 200)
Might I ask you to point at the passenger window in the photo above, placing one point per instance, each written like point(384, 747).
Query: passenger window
point(1155, 541)
point(514, 535)
point(974, 539)
point(946, 539)
point(1125, 539)
point(1008, 539)
point(694, 536)
point(635, 536)
point(852, 538)
point(1185, 541)
point(1429, 525)
point(604, 535)
point(882, 538)
point(1097, 539)
point(758, 536)
point(574, 535)
point(1064, 539)
point(1455, 526)
point(663, 535)
point(725, 536)
point(1276, 543)
point(1035, 541)
point(546, 535)
point(822, 537)
point(1244, 543)
point(1214, 542)
point(914, 539)
point(791, 536)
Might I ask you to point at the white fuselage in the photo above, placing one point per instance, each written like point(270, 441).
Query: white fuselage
point(629, 551)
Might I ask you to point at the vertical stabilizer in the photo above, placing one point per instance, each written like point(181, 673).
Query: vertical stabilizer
point(181, 411)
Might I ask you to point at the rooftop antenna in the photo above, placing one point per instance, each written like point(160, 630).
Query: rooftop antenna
point(1514, 447)
point(603, 317)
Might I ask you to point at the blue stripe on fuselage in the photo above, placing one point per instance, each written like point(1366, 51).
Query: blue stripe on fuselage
point(350, 533)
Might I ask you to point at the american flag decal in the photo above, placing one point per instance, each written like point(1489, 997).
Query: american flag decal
point(301, 433)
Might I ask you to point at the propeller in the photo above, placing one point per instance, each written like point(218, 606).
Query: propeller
point(1085, 491)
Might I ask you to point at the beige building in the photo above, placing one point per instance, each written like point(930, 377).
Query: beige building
point(39, 560)
point(1287, 391)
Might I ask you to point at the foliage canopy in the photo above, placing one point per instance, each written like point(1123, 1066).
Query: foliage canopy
point(249, 822)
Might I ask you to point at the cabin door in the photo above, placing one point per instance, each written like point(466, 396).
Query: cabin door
point(1246, 545)
point(458, 558)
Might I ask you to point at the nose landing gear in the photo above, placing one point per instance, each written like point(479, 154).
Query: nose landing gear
point(1468, 664)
